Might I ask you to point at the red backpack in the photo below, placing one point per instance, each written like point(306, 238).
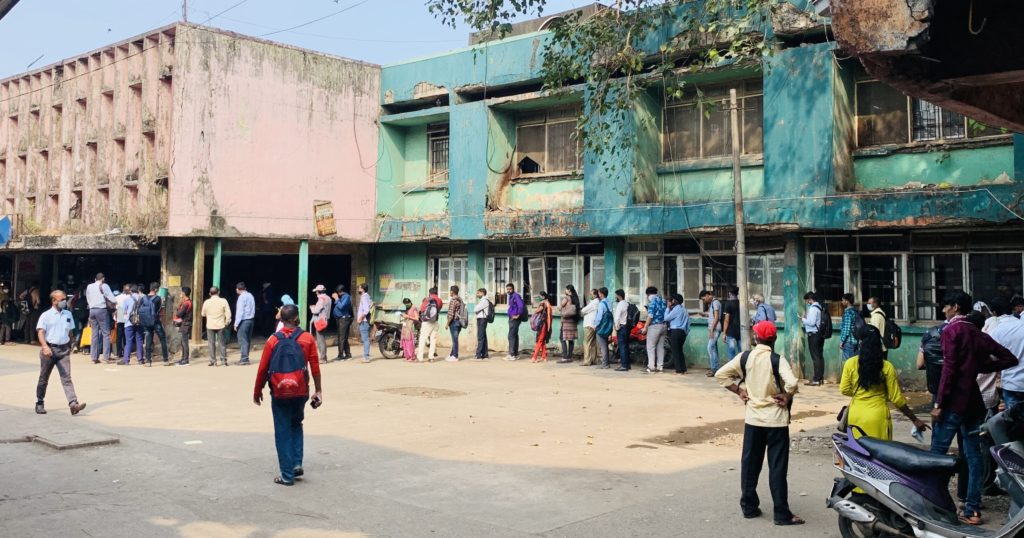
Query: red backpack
point(287, 372)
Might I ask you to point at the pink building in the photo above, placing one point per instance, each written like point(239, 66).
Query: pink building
point(190, 156)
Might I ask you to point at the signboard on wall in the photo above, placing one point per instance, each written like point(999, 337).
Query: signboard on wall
point(323, 217)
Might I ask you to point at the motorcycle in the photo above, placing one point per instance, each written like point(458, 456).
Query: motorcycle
point(906, 489)
point(388, 335)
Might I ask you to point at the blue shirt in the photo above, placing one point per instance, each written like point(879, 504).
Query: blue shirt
point(245, 308)
point(764, 312)
point(364, 306)
point(515, 305)
point(57, 325)
point(678, 318)
point(813, 318)
point(602, 308)
point(128, 306)
point(343, 308)
point(97, 295)
point(655, 310)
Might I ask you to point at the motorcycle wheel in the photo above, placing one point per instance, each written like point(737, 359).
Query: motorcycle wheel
point(390, 345)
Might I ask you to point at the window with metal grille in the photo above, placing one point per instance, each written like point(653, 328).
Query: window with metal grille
point(885, 116)
point(437, 144)
point(546, 142)
point(694, 128)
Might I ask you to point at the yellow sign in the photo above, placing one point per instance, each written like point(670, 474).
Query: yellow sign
point(360, 280)
point(323, 217)
point(385, 282)
point(173, 281)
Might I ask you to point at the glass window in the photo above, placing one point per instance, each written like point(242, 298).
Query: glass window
point(566, 274)
point(996, 275)
point(829, 277)
point(719, 274)
point(437, 143)
point(447, 272)
point(689, 275)
point(882, 277)
point(692, 130)
point(593, 273)
point(546, 142)
point(634, 275)
point(934, 277)
point(881, 115)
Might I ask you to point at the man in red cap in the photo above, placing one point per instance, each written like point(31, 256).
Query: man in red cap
point(765, 384)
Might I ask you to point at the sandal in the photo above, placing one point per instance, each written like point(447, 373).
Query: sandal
point(795, 520)
point(973, 519)
point(281, 481)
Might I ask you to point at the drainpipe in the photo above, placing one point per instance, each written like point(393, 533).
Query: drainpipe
point(303, 282)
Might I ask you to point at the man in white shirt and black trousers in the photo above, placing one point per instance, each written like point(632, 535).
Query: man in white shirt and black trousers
point(815, 342)
point(54, 331)
point(765, 384)
point(482, 309)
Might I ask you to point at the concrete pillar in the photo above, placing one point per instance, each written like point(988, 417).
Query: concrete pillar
point(614, 254)
point(218, 255)
point(304, 282)
point(794, 272)
point(198, 293)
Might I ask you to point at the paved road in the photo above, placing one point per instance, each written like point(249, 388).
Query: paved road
point(468, 449)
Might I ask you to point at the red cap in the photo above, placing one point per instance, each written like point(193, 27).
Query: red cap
point(765, 330)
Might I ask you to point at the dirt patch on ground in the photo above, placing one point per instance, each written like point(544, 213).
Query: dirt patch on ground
point(423, 392)
point(715, 431)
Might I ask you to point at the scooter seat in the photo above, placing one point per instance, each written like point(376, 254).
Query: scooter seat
point(907, 458)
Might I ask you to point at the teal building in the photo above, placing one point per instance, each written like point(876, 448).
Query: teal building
point(849, 186)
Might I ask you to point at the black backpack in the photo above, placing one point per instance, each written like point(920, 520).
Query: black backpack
point(931, 346)
point(824, 323)
point(430, 313)
point(776, 359)
point(490, 311)
point(893, 334)
point(632, 316)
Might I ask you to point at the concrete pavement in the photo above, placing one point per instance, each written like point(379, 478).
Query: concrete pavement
point(443, 449)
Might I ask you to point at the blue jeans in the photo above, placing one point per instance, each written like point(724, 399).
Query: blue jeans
point(245, 338)
point(622, 337)
point(713, 351)
point(455, 328)
point(1012, 398)
point(732, 346)
point(849, 350)
point(364, 335)
point(288, 415)
point(944, 432)
point(134, 340)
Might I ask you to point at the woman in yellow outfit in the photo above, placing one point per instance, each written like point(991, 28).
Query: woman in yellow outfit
point(871, 382)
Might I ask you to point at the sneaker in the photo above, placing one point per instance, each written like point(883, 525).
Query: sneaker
point(212, 364)
point(76, 407)
point(244, 363)
point(452, 359)
point(182, 363)
point(366, 360)
point(40, 410)
point(621, 369)
point(508, 358)
point(648, 371)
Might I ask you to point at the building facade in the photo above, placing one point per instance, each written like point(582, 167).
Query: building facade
point(192, 156)
point(849, 186)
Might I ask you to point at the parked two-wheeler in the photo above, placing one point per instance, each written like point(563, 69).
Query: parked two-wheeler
point(906, 489)
point(388, 335)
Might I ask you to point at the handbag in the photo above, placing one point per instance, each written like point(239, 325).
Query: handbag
point(843, 419)
point(320, 325)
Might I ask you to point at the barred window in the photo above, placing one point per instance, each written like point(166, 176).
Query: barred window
point(437, 144)
point(693, 130)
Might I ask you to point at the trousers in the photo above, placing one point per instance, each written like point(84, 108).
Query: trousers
point(60, 359)
point(99, 320)
point(344, 326)
point(288, 415)
point(656, 335)
point(757, 440)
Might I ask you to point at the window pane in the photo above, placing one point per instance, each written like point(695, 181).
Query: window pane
point(682, 133)
point(753, 125)
point(881, 277)
point(755, 277)
point(566, 274)
point(995, 275)
point(719, 274)
point(976, 129)
point(530, 149)
point(690, 277)
point(499, 268)
point(926, 120)
point(716, 132)
point(438, 157)
point(671, 275)
point(634, 273)
point(829, 277)
point(655, 275)
point(881, 115)
point(596, 272)
point(444, 274)
point(775, 265)
point(562, 149)
point(953, 125)
point(934, 277)
point(536, 274)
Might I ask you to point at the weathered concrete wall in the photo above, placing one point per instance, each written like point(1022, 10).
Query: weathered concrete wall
point(959, 167)
point(84, 147)
point(262, 131)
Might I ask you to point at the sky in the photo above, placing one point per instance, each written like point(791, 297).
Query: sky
point(377, 31)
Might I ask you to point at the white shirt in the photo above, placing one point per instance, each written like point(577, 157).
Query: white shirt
point(121, 316)
point(621, 311)
point(482, 305)
point(590, 313)
point(1009, 332)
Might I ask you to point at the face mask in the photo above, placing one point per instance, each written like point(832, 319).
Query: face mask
point(61, 305)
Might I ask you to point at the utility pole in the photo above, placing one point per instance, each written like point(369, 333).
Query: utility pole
point(741, 236)
point(184, 10)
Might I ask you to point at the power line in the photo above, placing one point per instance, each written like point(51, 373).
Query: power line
point(341, 38)
point(233, 6)
point(340, 11)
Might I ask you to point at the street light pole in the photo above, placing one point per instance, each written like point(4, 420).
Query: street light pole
point(741, 236)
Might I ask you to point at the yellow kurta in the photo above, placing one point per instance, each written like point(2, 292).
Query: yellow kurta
point(869, 408)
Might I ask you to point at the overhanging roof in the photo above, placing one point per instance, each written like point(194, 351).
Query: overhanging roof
point(5, 6)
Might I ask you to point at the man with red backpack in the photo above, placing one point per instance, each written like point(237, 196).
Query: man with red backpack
point(430, 311)
point(283, 366)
